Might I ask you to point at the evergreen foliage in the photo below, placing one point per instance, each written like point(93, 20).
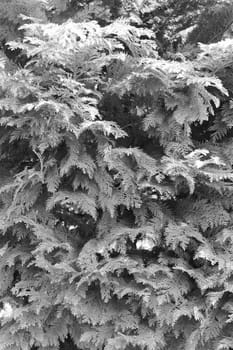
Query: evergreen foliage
point(116, 181)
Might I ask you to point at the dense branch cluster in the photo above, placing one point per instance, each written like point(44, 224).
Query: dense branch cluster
point(116, 181)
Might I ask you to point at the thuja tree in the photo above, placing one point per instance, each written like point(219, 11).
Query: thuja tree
point(116, 180)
